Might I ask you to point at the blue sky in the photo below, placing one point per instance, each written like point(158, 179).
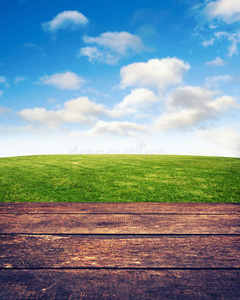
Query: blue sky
point(140, 76)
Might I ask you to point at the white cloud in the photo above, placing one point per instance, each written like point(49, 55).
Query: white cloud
point(233, 38)
point(4, 81)
point(94, 54)
point(156, 73)
point(71, 19)
point(188, 106)
point(85, 106)
point(216, 62)
point(84, 111)
point(80, 111)
point(220, 78)
point(19, 78)
point(225, 137)
point(1, 93)
point(117, 128)
point(111, 46)
point(119, 42)
point(220, 34)
point(189, 96)
point(208, 42)
point(138, 100)
point(215, 80)
point(220, 14)
point(65, 81)
point(227, 10)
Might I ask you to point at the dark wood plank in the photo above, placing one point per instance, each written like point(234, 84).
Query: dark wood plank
point(132, 208)
point(119, 224)
point(49, 251)
point(119, 284)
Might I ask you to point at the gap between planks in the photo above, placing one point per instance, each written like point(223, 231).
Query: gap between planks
point(128, 208)
point(121, 235)
point(115, 213)
point(126, 268)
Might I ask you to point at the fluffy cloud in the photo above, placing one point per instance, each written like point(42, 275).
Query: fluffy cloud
point(65, 81)
point(188, 106)
point(85, 106)
point(84, 111)
point(4, 81)
point(118, 128)
point(227, 10)
point(111, 46)
point(156, 73)
point(94, 54)
point(80, 111)
point(71, 19)
point(119, 42)
point(138, 100)
point(225, 137)
point(216, 62)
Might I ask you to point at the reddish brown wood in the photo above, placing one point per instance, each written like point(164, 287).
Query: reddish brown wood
point(51, 251)
point(119, 224)
point(132, 208)
point(179, 264)
point(119, 284)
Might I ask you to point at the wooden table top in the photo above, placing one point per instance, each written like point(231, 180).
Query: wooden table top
point(119, 251)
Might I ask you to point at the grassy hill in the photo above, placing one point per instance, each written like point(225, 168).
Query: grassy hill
point(119, 178)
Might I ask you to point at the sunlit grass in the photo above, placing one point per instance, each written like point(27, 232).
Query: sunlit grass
point(119, 178)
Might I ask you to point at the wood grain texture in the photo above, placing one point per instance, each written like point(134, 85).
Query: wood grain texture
point(79, 251)
point(131, 208)
point(119, 284)
point(119, 224)
point(49, 251)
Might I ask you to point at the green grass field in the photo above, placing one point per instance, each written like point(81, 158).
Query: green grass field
point(119, 178)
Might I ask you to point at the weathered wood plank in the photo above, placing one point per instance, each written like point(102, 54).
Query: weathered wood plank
point(119, 224)
point(131, 208)
point(49, 251)
point(119, 284)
